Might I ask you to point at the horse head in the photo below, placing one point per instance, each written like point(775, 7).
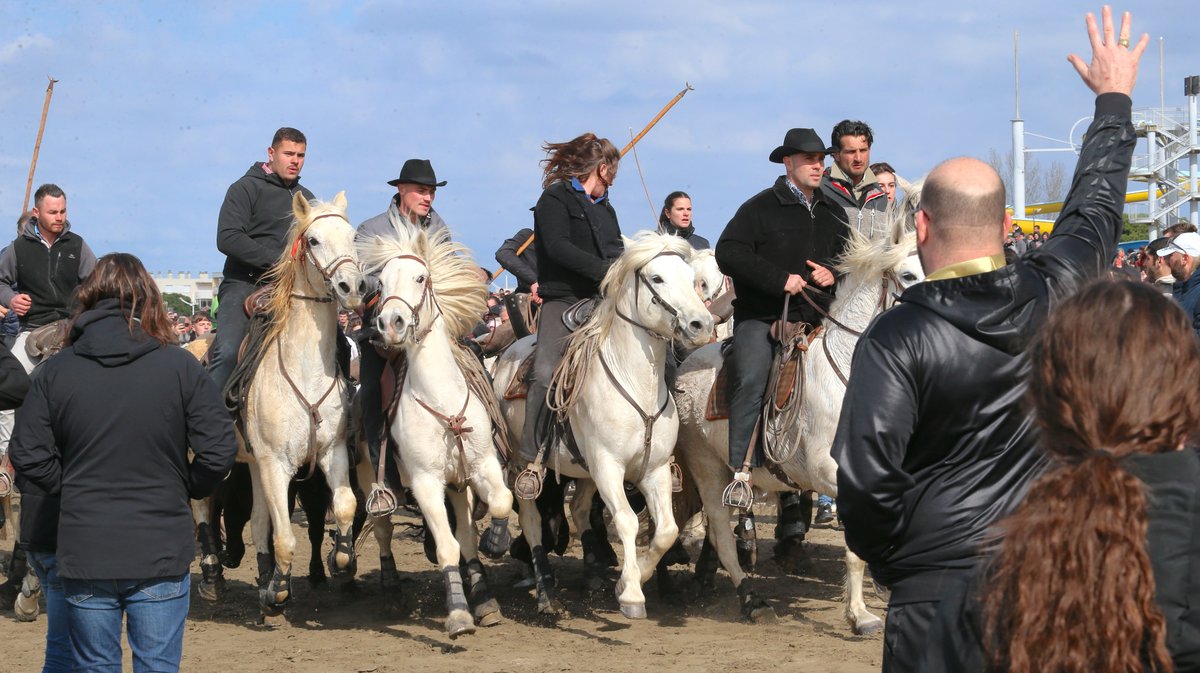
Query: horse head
point(654, 287)
point(423, 283)
point(710, 282)
point(324, 238)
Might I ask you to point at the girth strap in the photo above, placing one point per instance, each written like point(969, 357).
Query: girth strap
point(647, 419)
point(455, 424)
point(314, 411)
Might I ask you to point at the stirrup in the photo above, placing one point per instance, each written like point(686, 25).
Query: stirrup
point(381, 501)
point(6, 483)
point(528, 484)
point(739, 493)
point(676, 477)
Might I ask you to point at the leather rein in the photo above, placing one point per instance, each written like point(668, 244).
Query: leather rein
point(888, 281)
point(312, 410)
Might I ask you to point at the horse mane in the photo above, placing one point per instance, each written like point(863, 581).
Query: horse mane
point(283, 273)
point(875, 255)
point(585, 342)
point(460, 295)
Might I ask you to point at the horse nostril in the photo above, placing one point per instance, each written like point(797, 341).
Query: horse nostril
point(362, 287)
point(696, 326)
point(344, 287)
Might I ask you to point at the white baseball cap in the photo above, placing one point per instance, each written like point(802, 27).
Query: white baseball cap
point(1188, 243)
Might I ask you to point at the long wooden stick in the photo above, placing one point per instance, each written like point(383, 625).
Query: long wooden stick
point(37, 146)
point(686, 88)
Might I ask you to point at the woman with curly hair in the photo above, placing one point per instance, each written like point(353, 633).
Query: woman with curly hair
point(1096, 568)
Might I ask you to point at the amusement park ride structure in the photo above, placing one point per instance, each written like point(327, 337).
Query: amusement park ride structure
point(1166, 161)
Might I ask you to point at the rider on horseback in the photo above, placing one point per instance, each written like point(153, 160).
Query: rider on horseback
point(577, 237)
point(780, 241)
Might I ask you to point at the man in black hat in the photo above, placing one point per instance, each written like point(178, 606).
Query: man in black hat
point(410, 207)
point(781, 240)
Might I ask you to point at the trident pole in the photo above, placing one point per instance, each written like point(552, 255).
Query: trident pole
point(37, 146)
point(679, 96)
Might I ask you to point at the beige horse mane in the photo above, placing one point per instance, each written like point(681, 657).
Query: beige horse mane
point(871, 256)
point(283, 274)
point(459, 293)
point(585, 342)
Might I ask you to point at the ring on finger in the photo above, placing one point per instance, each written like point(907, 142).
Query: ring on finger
point(1124, 42)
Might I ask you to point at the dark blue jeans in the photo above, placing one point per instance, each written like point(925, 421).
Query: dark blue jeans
point(59, 658)
point(156, 610)
point(750, 370)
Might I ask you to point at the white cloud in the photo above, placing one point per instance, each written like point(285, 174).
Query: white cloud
point(13, 50)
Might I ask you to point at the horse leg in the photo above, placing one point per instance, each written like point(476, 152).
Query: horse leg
point(270, 498)
point(656, 487)
point(488, 484)
point(862, 622)
point(610, 483)
point(233, 504)
point(753, 607)
point(594, 566)
point(531, 529)
point(212, 582)
point(431, 496)
point(314, 500)
point(382, 528)
point(342, 560)
point(479, 595)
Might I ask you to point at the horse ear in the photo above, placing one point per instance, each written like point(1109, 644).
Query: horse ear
point(301, 208)
point(340, 200)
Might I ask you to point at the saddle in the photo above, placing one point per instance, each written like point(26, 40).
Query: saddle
point(46, 340)
point(249, 354)
point(518, 386)
point(717, 406)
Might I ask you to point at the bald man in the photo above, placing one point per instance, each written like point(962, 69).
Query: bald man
point(934, 444)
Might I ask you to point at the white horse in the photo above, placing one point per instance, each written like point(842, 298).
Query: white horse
point(875, 272)
point(431, 297)
point(622, 417)
point(296, 411)
point(711, 284)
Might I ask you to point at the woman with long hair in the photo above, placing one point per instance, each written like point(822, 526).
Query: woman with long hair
point(1095, 570)
point(675, 218)
point(107, 425)
point(577, 237)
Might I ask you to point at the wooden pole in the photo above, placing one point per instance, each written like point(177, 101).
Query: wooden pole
point(686, 88)
point(37, 146)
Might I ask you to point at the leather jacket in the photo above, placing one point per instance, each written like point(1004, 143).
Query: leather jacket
point(934, 443)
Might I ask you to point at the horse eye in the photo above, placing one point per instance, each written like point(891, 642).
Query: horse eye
point(420, 279)
point(312, 241)
point(656, 279)
point(909, 277)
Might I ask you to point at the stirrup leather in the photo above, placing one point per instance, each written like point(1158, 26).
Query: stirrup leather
point(739, 493)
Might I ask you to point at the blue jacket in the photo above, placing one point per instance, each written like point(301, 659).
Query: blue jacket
point(1187, 293)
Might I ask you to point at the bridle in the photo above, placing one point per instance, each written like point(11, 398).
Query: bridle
point(426, 294)
point(301, 246)
point(656, 298)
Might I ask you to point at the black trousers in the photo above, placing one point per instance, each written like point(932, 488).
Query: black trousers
point(551, 345)
point(231, 329)
point(750, 362)
point(905, 635)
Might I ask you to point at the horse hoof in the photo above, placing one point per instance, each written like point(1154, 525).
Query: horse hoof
point(548, 606)
point(763, 615)
point(272, 619)
point(459, 625)
point(211, 591)
point(633, 610)
point(488, 613)
point(273, 601)
point(231, 559)
point(26, 608)
point(868, 626)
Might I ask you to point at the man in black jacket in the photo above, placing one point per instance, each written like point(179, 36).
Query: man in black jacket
point(850, 182)
point(251, 231)
point(934, 444)
point(778, 242)
point(519, 256)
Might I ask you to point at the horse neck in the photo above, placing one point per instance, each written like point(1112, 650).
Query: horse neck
point(636, 358)
point(432, 369)
point(310, 326)
point(857, 301)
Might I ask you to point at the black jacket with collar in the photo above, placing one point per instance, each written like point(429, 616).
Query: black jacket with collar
point(771, 236)
point(523, 266)
point(120, 462)
point(934, 444)
point(697, 241)
point(576, 242)
point(1172, 541)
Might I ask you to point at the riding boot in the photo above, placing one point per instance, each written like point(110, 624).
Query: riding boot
point(382, 500)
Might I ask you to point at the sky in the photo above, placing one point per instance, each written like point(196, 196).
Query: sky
point(161, 105)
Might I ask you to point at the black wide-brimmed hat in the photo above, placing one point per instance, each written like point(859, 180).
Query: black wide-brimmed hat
point(796, 141)
point(418, 172)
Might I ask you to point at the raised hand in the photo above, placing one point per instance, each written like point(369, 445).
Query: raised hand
point(1114, 65)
